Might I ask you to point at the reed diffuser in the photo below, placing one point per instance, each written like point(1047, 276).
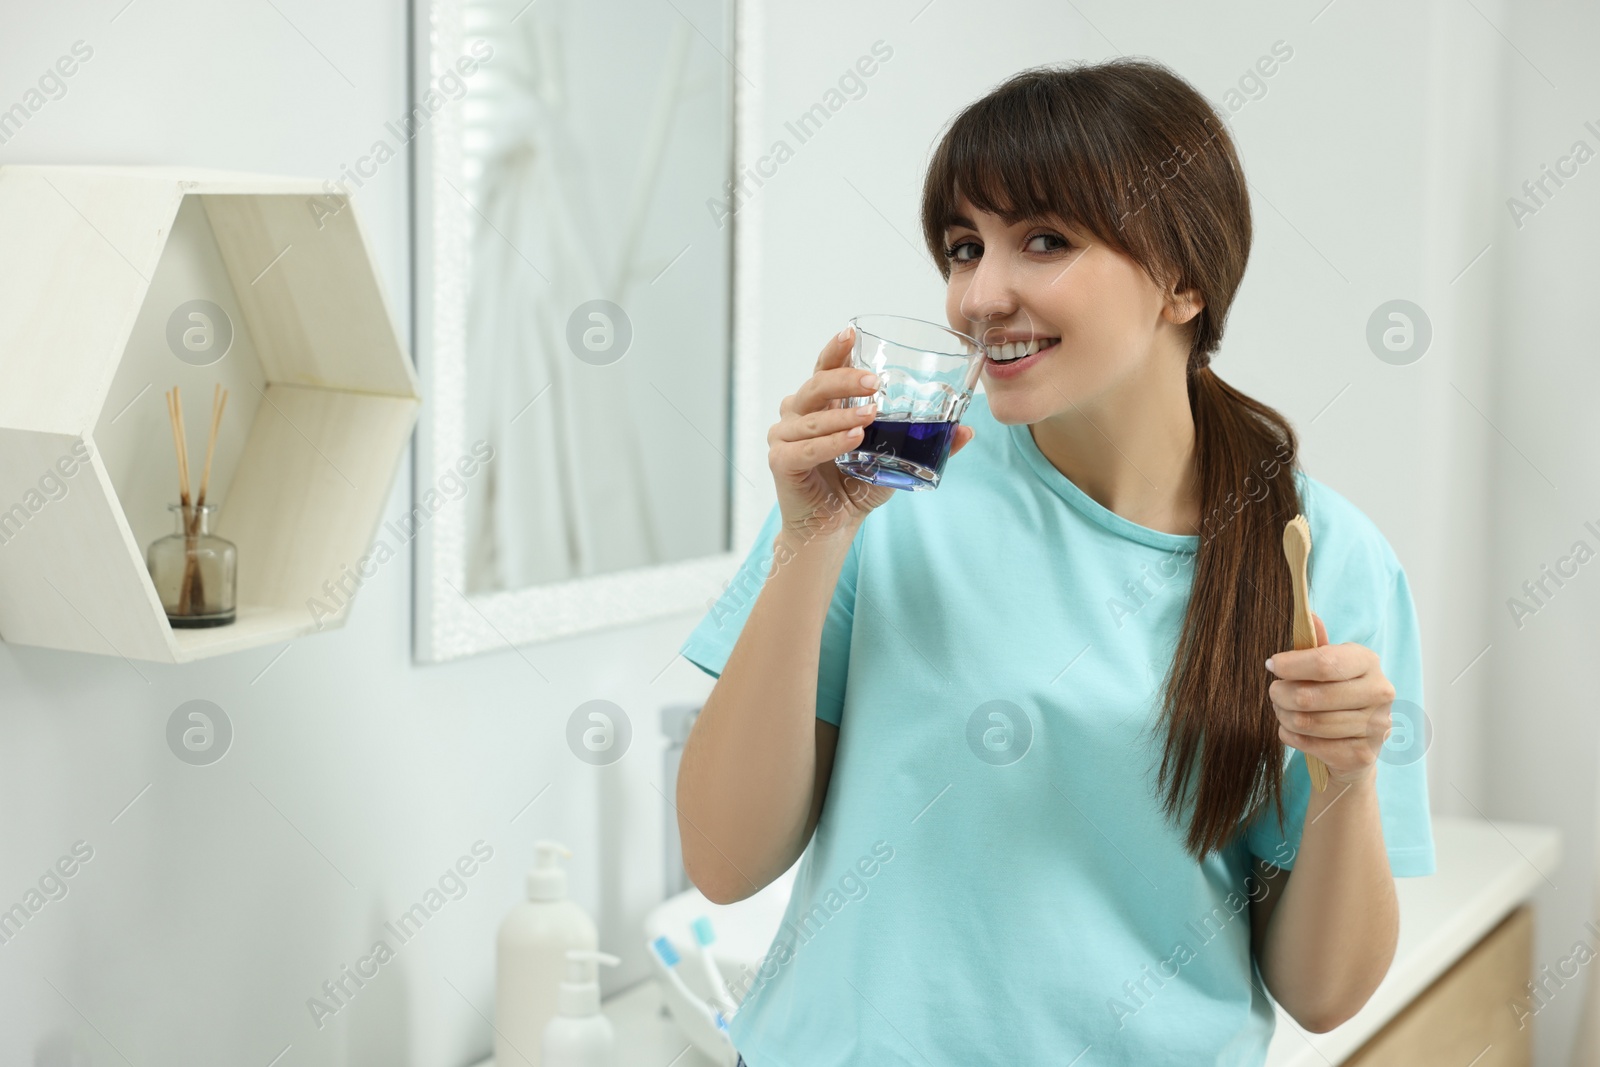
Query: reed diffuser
point(193, 569)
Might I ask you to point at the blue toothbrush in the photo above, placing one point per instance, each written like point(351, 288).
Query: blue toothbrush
point(669, 956)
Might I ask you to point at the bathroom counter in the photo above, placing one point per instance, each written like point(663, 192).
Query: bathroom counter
point(1484, 873)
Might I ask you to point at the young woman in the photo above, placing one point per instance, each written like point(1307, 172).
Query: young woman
point(1039, 727)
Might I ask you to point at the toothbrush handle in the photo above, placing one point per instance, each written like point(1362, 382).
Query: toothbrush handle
point(1305, 636)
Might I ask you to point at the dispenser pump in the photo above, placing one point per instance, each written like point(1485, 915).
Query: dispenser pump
point(548, 879)
point(580, 990)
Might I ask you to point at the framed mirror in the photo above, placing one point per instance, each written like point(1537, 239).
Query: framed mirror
point(581, 299)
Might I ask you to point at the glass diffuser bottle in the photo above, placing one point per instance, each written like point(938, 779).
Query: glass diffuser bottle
point(194, 570)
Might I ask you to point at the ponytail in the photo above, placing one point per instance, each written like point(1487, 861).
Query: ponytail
point(1221, 732)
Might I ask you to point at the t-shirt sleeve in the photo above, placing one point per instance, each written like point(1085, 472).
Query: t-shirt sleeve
point(1402, 780)
point(711, 641)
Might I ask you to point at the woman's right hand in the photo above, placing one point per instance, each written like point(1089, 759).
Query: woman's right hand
point(815, 497)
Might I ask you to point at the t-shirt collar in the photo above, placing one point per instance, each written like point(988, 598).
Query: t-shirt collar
point(1087, 506)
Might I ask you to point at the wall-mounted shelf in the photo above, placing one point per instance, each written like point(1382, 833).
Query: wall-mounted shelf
point(94, 262)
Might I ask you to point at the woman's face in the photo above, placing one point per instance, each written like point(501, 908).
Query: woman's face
point(1101, 326)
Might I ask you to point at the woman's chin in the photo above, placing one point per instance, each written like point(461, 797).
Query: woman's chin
point(1010, 408)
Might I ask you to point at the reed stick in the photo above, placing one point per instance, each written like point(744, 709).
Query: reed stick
point(177, 443)
point(183, 446)
point(186, 582)
point(219, 400)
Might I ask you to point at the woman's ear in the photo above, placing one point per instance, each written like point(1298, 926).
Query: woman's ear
point(1182, 306)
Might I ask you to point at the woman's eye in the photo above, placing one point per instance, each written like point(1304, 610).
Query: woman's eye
point(953, 252)
point(1052, 243)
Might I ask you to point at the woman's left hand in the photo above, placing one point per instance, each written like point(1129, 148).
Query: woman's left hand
point(1333, 702)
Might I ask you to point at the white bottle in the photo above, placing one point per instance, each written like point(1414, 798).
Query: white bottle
point(531, 958)
point(579, 1036)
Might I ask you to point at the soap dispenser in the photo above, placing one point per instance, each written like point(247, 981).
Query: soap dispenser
point(579, 1035)
point(531, 958)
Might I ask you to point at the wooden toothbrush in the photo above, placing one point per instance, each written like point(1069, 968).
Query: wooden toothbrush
point(1297, 548)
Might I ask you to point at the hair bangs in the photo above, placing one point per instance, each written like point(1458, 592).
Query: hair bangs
point(1013, 154)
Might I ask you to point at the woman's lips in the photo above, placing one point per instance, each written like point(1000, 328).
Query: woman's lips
point(1016, 367)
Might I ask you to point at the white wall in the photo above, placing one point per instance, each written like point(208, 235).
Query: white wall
point(219, 901)
point(1541, 735)
point(225, 895)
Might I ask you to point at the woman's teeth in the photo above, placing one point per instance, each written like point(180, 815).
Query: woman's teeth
point(1015, 350)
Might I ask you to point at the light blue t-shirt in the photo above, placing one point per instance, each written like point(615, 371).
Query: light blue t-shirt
point(992, 879)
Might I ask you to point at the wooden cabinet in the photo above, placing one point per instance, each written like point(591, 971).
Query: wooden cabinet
point(1466, 1015)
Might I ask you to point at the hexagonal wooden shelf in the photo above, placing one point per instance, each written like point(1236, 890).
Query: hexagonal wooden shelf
point(96, 265)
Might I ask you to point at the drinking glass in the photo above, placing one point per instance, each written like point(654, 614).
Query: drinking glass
point(926, 374)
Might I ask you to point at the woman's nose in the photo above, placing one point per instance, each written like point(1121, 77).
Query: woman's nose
point(990, 294)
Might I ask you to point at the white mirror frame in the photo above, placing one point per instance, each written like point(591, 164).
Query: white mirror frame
point(448, 622)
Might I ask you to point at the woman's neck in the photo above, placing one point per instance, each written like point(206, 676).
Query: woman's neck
point(1132, 450)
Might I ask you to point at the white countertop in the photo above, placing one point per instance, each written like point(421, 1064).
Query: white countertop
point(1484, 871)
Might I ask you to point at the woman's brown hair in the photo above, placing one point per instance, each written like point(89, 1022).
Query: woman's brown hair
point(1131, 153)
